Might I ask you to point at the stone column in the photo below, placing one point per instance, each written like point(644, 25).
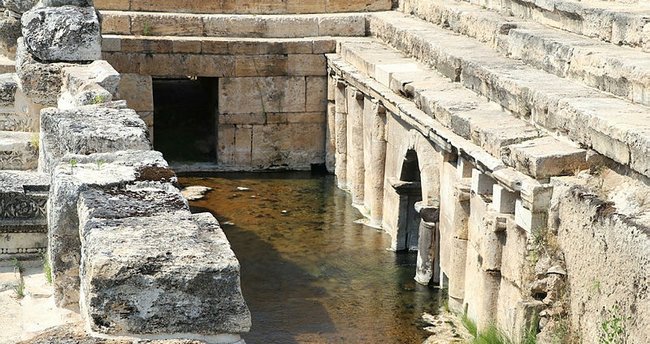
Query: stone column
point(341, 133)
point(427, 251)
point(375, 173)
point(355, 168)
point(330, 132)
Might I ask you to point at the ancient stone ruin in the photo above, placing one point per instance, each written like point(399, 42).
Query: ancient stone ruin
point(507, 142)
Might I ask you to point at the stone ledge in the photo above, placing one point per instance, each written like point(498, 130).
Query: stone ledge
point(245, 6)
point(218, 25)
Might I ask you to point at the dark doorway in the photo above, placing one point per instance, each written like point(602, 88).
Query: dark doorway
point(410, 193)
point(185, 119)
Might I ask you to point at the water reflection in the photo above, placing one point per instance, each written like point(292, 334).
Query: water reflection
point(309, 273)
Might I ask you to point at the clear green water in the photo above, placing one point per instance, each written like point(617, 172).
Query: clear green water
point(310, 274)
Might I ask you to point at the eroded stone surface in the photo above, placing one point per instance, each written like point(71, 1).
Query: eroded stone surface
point(174, 272)
point(88, 130)
point(67, 33)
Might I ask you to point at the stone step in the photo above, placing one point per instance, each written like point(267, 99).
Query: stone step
point(245, 6)
point(623, 71)
point(224, 25)
point(218, 56)
point(144, 242)
point(23, 223)
point(622, 22)
point(18, 150)
point(612, 126)
point(7, 65)
point(468, 115)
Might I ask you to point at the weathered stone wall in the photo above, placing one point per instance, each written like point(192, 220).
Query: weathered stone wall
point(246, 6)
point(271, 75)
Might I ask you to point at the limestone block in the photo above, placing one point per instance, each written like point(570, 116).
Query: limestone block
point(339, 25)
point(59, 3)
point(67, 33)
point(19, 6)
point(316, 94)
point(88, 130)
point(137, 90)
point(18, 151)
point(503, 201)
point(178, 274)
point(482, 184)
point(546, 157)
point(166, 25)
point(514, 262)
point(307, 64)
point(264, 94)
point(103, 170)
point(528, 220)
point(456, 269)
point(8, 88)
point(27, 114)
point(10, 31)
point(41, 82)
point(114, 23)
point(77, 78)
point(289, 146)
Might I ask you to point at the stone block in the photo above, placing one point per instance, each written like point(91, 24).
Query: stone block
point(263, 94)
point(288, 145)
point(18, 150)
point(19, 6)
point(482, 184)
point(164, 24)
point(177, 274)
point(316, 94)
point(115, 23)
point(27, 114)
point(88, 130)
point(137, 90)
point(339, 25)
point(41, 82)
point(68, 33)
point(307, 65)
point(8, 87)
point(91, 84)
point(503, 201)
point(103, 170)
point(547, 157)
point(528, 220)
point(10, 31)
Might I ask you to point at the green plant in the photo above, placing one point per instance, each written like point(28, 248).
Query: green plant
point(612, 330)
point(100, 163)
point(595, 286)
point(20, 288)
point(470, 325)
point(73, 164)
point(47, 268)
point(530, 332)
point(34, 140)
point(146, 29)
point(99, 99)
point(18, 267)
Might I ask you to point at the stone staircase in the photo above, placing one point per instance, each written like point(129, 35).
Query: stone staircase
point(567, 85)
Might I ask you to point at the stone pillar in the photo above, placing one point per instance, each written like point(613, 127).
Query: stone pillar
point(341, 134)
point(355, 168)
point(330, 132)
point(375, 174)
point(428, 238)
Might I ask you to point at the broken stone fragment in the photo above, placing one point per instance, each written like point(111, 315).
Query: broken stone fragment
point(40, 82)
point(19, 6)
point(7, 89)
point(59, 3)
point(10, 31)
point(66, 34)
point(88, 130)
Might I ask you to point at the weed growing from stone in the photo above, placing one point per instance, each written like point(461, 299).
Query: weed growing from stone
point(100, 163)
point(73, 164)
point(47, 268)
point(35, 141)
point(146, 29)
point(20, 288)
point(612, 330)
